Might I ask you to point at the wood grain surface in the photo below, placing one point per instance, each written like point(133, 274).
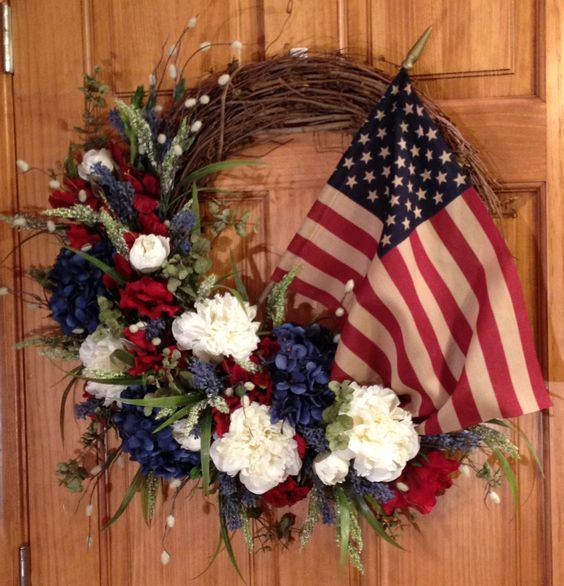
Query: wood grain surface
point(497, 68)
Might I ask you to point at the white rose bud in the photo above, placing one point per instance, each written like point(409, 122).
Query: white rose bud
point(190, 103)
point(204, 99)
point(192, 22)
point(54, 184)
point(196, 126)
point(236, 45)
point(205, 46)
point(91, 158)
point(149, 252)
point(332, 467)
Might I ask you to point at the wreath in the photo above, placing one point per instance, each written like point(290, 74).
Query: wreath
point(204, 387)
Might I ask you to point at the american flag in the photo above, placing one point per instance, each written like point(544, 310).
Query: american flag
point(437, 312)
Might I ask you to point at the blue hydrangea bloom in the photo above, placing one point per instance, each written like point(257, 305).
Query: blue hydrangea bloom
point(300, 372)
point(158, 453)
point(77, 284)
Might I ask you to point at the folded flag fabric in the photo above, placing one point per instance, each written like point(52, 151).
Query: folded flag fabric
point(437, 312)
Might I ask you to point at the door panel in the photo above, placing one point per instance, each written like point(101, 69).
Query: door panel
point(485, 63)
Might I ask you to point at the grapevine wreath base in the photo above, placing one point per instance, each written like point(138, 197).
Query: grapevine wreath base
point(205, 390)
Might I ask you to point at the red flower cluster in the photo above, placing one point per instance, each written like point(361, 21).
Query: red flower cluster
point(426, 477)
point(146, 200)
point(67, 197)
point(147, 356)
point(148, 297)
point(286, 494)
point(262, 393)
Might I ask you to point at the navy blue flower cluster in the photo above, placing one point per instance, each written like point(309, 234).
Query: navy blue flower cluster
point(159, 452)
point(76, 286)
point(300, 371)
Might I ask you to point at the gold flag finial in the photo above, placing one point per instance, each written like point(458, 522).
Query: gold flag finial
point(417, 49)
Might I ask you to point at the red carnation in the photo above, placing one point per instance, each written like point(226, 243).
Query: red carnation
point(147, 356)
point(286, 494)
point(79, 235)
point(64, 198)
point(426, 477)
point(122, 266)
point(148, 297)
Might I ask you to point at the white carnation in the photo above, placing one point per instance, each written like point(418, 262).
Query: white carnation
point(332, 467)
point(263, 453)
point(96, 356)
point(90, 158)
point(96, 352)
point(149, 252)
point(109, 393)
point(221, 326)
point(383, 437)
point(187, 440)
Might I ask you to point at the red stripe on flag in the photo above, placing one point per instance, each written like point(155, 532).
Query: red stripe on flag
point(474, 202)
point(486, 326)
point(366, 350)
point(343, 229)
point(399, 272)
point(458, 325)
point(322, 260)
point(308, 290)
point(369, 300)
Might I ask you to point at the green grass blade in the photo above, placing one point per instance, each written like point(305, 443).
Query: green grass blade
point(197, 229)
point(205, 437)
point(167, 402)
point(64, 398)
point(237, 278)
point(212, 168)
point(135, 485)
point(110, 271)
point(509, 474)
point(373, 521)
point(176, 416)
point(344, 525)
point(523, 436)
point(227, 540)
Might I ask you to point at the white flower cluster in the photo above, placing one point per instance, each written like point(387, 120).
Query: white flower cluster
point(263, 453)
point(96, 356)
point(382, 439)
point(221, 326)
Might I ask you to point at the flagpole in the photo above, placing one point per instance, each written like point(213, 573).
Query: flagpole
point(417, 49)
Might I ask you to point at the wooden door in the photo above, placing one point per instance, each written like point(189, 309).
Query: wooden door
point(496, 66)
